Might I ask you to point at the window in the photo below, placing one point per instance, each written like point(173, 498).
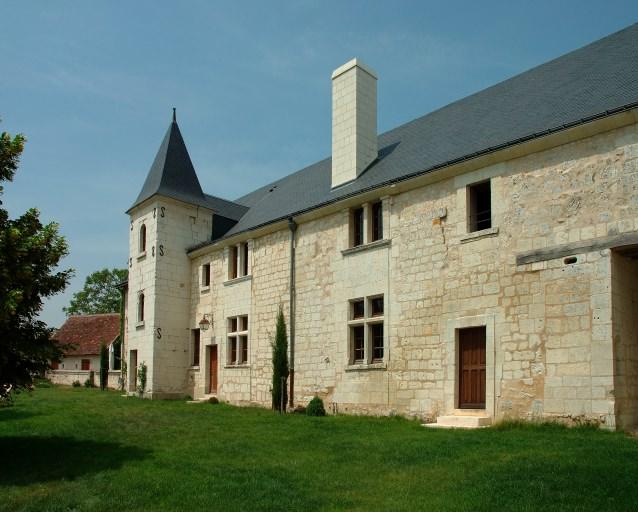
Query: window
point(232, 263)
point(205, 280)
point(479, 206)
point(377, 222)
point(86, 364)
point(140, 308)
point(237, 340)
point(55, 365)
point(366, 330)
point(238, 261)
point(357, 227)
point(358, 309)
point(244, 252)
point(366, 224)
point(142, 239)
point(195, 347)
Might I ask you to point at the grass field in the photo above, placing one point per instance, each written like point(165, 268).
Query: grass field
point(72, 449)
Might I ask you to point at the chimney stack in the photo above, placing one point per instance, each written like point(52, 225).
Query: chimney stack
point(354, 121)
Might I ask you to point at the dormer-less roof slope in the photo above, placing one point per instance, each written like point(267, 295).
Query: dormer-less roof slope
point(594, 81)
point(87, 332)
point(172, 173)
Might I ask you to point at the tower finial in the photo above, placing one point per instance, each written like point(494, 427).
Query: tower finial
point(174, 115)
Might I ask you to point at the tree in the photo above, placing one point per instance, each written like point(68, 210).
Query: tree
point(104, 366)
point(280, 364)
point(29, 255)
point(100, 294)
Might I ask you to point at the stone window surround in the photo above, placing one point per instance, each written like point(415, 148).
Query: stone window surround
point(238, 335)
point(366, 321)
point(367, 223)
point(140, 309)
point(451, 385)
point(203, 286)
point(243, 261)
point(141, 241)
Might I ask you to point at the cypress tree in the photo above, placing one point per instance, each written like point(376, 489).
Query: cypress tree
point(280, 365)
point(104, 366)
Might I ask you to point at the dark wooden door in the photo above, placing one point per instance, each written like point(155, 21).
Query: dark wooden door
point(472, 368)
point(212, 386)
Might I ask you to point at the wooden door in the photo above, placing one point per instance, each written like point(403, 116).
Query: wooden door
point(212, 381)
point(472, 368)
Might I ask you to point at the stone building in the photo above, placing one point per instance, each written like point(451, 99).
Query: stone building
point(475, 263)
point(82, 336)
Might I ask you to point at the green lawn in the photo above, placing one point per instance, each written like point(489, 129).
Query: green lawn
point(82, 449)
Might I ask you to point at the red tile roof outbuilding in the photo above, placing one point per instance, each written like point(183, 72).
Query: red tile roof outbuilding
point(87, 332)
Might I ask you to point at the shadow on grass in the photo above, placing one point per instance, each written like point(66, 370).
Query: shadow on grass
point(15, 413)
point(28, 460)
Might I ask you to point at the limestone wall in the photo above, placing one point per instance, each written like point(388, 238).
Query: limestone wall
point(162, 273)
point(68, 377)
point(548, 324)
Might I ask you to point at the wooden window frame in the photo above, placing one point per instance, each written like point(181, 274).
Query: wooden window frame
point(142, 239)
point(237, 340)
point(479, 196)
point(367, 324)
point(140, 307)
point(205, 275)
point(358, 227)
point(376, 221)
point(88, 365)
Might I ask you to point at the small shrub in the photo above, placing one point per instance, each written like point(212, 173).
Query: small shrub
point(88, 384)
point(141, 378)
point(213, 400)
point(300, 409)
point(315, 407)
point(76, 384)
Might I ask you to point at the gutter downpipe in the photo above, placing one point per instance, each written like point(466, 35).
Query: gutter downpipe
point(292, 225)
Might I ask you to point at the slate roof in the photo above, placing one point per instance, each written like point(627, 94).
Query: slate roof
point(593, 81)
point(172, 173)
point(87, 332)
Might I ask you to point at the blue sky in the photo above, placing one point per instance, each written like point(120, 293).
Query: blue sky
point(91, 85)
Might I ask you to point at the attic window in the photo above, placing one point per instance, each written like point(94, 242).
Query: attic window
point(357, 227)
point(479, 206)
point(238, 261)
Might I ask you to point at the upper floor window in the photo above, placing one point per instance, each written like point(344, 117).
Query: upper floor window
point(142, 239)
point(205, 277)
point(366, 224)
point(376, 217)
point(357, 227)
point(238, 261)
point(365, 324)
point(195, 347)
point(479, 206)
point(140, 307)
point(237, 340)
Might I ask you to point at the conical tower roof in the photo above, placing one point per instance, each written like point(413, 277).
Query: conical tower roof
point(172, 173)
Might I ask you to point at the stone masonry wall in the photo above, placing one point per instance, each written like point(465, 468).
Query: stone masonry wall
point(548, 324)
point(163, 274)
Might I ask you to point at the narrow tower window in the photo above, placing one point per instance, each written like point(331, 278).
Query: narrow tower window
point(140, 307)
point(142, 245)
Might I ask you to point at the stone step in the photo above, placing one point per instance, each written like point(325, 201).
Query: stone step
point(461, 421)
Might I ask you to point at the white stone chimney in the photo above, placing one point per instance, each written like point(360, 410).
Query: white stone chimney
point(354, 121)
